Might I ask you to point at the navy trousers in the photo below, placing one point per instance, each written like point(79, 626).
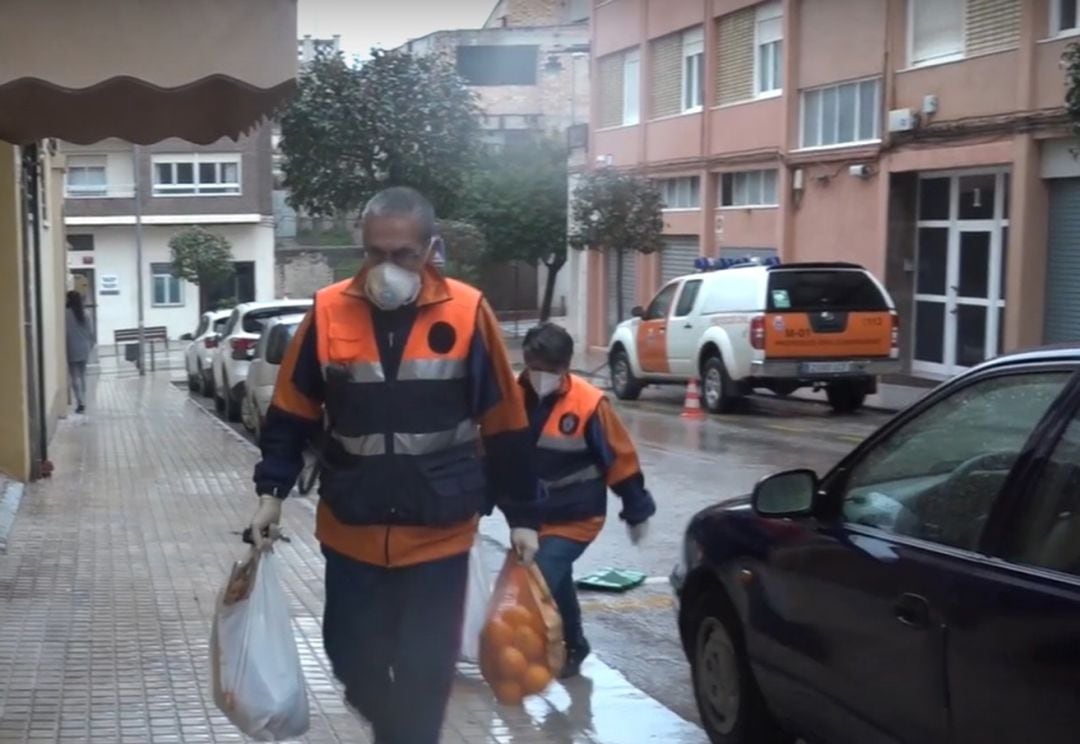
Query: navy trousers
point(393, 636)
point(556, 561)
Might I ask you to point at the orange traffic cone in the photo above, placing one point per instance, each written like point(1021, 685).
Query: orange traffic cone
point(692, 405)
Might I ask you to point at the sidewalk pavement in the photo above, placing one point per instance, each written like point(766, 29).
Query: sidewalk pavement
point(108, 584)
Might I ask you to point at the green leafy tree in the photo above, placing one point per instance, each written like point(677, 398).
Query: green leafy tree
point(396, 120)
point(518, 198)
point(617, 212)
point(1071, 61)
point(202, 258)
point(466, 250)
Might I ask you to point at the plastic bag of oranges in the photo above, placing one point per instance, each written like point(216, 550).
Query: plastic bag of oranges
point(521, 648)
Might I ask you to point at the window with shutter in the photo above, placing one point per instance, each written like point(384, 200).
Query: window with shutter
point(664, 64)
point(610, 72)
point(735, 57)
point(935, 31)
point(991, 25)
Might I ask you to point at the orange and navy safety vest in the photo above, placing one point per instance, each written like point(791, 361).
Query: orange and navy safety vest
point(400, 448)
point(575, 486)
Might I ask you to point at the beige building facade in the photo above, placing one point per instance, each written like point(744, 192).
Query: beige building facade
point(924, 139)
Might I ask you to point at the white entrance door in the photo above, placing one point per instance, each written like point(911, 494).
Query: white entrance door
point(961, 237)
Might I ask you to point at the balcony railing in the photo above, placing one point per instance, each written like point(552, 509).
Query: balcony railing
point(99, 191)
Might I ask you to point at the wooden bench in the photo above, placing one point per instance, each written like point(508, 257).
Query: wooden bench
point(129, 337)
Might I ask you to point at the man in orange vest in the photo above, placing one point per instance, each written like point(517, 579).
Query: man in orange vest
point(582, 449)
point(407, 373)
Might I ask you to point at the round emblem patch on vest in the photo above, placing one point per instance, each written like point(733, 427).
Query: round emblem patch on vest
point(441, 337)
point(569, 423)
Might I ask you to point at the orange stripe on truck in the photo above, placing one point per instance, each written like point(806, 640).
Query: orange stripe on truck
point(790, 336)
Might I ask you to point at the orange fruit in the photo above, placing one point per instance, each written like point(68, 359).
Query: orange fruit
point(498, 633)
point(512, 663)
point(529, 642)
point(536, 679)
point(508, 693)
point(516, 615)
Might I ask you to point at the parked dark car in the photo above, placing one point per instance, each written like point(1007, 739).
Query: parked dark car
point(924, 591)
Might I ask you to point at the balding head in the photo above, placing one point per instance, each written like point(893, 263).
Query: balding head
point(398, 225)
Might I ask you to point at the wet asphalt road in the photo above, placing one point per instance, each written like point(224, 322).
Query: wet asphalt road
point(688, 465)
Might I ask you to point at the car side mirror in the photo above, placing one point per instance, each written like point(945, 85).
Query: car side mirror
point(187, 337)
point(638, 312)
point(787, 494)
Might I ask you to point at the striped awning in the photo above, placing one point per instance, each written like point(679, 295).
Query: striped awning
point(143, 70)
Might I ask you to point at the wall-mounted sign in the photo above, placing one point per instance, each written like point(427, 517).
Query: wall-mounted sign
point(110, 284)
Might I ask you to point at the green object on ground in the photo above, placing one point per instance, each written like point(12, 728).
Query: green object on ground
point(612, 580)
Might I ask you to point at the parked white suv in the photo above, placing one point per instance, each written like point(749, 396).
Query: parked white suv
point(263, 371)
point(745, 325)
point(237, 347)
point(199, 355)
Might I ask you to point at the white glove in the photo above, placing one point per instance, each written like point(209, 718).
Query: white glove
point(525, 542)
point(637, 532)
point(268, 514)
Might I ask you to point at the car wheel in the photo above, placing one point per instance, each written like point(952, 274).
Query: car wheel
point(717, 388)
point(248, 415)
point(846, 397)
point(207, 379)
point(731, 706)
point(232, 402)
point(219, 401)
point(623, 381)
point(192, 379)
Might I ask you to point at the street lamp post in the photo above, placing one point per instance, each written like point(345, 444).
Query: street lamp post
point(139, 261)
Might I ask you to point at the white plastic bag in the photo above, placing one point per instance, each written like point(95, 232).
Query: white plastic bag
point(258, 682)
point(477, 596)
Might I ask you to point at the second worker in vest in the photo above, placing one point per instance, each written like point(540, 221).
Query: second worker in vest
point(410, 371)
point(582, 449)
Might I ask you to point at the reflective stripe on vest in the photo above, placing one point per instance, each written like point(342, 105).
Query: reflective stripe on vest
point(574, 483)
point(402, 448)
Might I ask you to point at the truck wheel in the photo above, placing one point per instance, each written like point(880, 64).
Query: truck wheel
point(717, 388)
point(846, 397)
point(623, 382)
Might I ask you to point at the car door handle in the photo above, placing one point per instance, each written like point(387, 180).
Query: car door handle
point(688, 325)
point(912, 610)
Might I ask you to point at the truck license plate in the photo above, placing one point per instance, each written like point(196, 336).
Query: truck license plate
point(825, 368)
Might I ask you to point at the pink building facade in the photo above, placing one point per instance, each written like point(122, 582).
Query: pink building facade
point(924, 139)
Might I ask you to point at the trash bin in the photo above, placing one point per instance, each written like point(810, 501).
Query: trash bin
point(131, 353)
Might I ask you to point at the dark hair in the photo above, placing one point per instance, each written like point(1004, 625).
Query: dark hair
point(75, 305)
point(549, 343)
point(402, 201)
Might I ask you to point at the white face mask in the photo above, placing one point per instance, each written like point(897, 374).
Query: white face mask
point(389, 286)
point(544, 383)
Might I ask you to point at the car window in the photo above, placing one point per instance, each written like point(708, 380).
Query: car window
point(255, 320)
point(937, 476)
point(230, 326)
point(219, 325)
point(661, 304)
point(687, 298)
point(279, 342)
point(823, 289)
point(1048, 533)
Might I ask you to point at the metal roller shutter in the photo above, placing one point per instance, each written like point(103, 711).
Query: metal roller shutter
point(629, 286)
point(748, 253)
point(677, 257)
point(1062, 317)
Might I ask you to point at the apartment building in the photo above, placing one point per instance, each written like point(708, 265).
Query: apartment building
point(225, 187)
point(924, 139)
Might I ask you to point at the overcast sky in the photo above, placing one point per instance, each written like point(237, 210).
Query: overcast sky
point(386, 23)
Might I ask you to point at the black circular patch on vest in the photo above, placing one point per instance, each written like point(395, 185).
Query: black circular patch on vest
point(441, 337)
point(569, 423)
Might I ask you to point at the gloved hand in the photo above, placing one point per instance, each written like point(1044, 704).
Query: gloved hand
point(525, 543)
point(637, 532)
point(268, 514)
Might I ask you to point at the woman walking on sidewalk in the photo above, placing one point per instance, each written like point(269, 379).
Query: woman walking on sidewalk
point(80, 342)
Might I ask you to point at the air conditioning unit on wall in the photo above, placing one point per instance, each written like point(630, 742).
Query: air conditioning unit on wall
point(902, 120)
